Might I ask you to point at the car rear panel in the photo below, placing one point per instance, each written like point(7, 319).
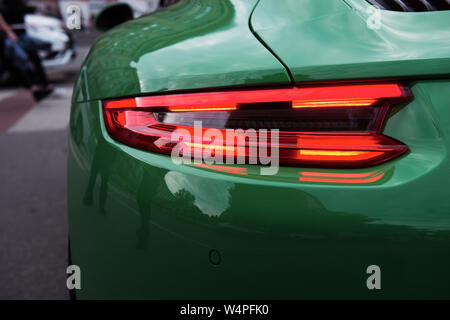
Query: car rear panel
point(143, 227)
point(152, 224)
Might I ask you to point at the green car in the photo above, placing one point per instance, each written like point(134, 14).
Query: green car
point(245, 149)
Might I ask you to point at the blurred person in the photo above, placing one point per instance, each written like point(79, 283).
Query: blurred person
point(20, 51)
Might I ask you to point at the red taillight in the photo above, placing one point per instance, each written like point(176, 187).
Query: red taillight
point(319, 125)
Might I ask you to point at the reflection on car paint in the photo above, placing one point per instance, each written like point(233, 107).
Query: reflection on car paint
point(210, 197)
point(332, 177)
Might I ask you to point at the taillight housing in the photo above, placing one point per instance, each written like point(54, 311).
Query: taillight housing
point(327, 125)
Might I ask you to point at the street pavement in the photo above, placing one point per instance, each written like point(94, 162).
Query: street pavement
point(33, 209)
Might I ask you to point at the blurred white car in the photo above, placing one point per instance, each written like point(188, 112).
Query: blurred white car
point(51, 30)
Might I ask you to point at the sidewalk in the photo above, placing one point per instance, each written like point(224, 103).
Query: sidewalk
point(49, 114)
point(20, 113)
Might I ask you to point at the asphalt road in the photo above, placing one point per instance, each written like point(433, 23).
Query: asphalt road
point(33, 210)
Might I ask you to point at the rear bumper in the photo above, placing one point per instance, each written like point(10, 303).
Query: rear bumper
point(143, 227)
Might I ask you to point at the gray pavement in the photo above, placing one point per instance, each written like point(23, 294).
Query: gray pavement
point(33, 219)
point(33, 211)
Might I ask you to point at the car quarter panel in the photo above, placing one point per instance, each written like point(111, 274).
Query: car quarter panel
point(193, 44)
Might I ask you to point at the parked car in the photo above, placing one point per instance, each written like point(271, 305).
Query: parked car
point(52, 30)
point(355, 97)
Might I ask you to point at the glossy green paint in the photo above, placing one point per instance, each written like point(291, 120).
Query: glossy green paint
point(179, 48)
point(143, 227)
point(330, 40)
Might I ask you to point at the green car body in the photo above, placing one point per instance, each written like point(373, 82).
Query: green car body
point(144, 227)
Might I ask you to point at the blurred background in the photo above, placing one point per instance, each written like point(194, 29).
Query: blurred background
point(40, 55)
